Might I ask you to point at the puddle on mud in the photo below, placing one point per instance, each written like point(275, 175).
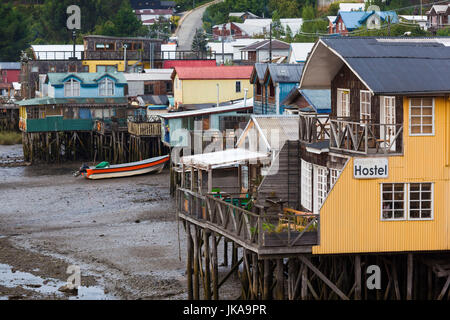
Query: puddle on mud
point(49, 286)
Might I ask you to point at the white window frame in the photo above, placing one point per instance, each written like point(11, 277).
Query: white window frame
point(367, 105)
point(106, 82)
point(320, 187)
point(339, 100)
point(406, 202)
point(431, 200)
point(69, 85)
point(433, 124)
point(334, 176)
point(405, 208)
point(306, 184)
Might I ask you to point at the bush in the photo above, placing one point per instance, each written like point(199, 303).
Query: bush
point(10, 138)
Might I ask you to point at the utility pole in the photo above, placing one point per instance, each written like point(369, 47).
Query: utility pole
point(389, 26)
point(74, 37)
point(223, 45)
point(270, 43)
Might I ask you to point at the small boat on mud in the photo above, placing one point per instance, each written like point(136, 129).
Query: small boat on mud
point(105, 171)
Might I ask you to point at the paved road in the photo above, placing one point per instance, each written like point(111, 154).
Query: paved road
point(192, 22)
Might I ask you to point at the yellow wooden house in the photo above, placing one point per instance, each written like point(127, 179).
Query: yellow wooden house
point(383, 184)
point(109, 54)
point(211, 85)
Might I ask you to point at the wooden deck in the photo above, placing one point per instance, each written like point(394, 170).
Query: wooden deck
point(266, 234)
point(145, 129)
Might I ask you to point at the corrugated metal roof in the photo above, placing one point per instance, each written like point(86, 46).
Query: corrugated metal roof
point(258, 72)
point(189, 63)
point(355, 19)
point(222, 109)
point(226, 157)
point(150, 75)
point(219, 73)
point(265, 45)
point(87, 101)
point(299, 51)
point(389, 65)
point(284, 72)
point(154, 99)
point(277, 129)
point(56, 78)
point(320, 100)
point(9, 65)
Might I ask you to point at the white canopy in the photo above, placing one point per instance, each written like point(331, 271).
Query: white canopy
point(226, 157)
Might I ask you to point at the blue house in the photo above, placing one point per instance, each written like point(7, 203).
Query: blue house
point(347, 21)
point(279, 80)
point(74, 101)
point(85, 85)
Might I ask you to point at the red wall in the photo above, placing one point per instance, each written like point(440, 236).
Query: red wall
point(10, 76)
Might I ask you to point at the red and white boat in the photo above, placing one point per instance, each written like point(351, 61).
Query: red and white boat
point(123, 170)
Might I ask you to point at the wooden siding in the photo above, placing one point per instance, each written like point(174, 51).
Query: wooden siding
point(346, 79)
point(283, 181)
point(350, 219)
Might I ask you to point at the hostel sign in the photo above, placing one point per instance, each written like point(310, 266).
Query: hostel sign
point(370, 168)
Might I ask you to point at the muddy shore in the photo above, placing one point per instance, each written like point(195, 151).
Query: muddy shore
point(122, 233)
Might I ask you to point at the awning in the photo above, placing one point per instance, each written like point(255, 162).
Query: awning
point(228, 157)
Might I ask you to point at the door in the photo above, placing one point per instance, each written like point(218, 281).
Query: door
point(343, 103)
point(387, 121)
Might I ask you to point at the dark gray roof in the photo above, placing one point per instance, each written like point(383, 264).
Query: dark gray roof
point(396, 66)
point(155, 99)
point(285, 72)
point(318, 99)
point(265, 45)
point(260, 70)
point(321, 145)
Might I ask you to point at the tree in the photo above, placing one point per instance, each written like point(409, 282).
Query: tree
point(199, 42)
point(123, 24)
point(14, 36)
point(161, 29)
point(285, 8)
point(277, 28)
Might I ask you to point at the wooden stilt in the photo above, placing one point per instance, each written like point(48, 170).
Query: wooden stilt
point(189, 261)
point(357, 277)
point(267, 280)
point(207, 291)
point(215, 269)
point(409, 281)
point(279, 291)
point(255, 272)
point(196, 265)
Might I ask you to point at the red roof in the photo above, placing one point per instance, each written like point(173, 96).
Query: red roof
point(221, 72)
point(188, 63)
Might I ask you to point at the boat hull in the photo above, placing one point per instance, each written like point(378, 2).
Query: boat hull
point(127, 170)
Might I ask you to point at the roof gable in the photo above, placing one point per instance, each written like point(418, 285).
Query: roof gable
point(213, 73)
point(283, 73)
point(384, 65)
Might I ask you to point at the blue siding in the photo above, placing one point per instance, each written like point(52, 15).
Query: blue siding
point(89, 91)
point(285, 89)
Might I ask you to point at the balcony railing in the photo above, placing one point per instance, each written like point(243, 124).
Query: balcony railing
point(366, 138)
point(120, 55)
point(231, 215)
point(147, 129)
point(314, 127)
point(145, 55)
